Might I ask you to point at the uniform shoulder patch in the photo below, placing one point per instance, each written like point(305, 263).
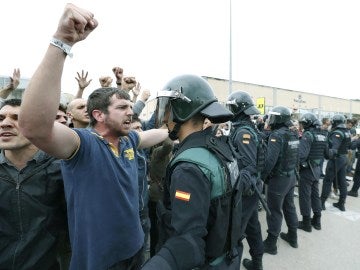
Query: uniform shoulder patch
point(181, 195)
point(246, 138)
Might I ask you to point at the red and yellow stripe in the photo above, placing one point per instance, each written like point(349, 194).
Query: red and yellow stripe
point(181, 195)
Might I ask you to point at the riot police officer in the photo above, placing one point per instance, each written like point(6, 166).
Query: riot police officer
point(355, 144)
point(280, 174)
point(313, 145)
point(246, 139)
point(339, 142)
point(194, 214)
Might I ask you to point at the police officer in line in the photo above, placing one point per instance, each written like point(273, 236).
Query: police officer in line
point(194, 216)
point(280, 174)
point(355, 144)
point(245, 139)
point(313, 145)
point(339, 142)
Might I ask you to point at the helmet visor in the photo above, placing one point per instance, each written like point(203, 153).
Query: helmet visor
point(237, 106)
point(272, 117)
point(162, 111)
point(232, 106)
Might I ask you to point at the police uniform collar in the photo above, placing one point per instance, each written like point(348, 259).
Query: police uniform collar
point(196, 134)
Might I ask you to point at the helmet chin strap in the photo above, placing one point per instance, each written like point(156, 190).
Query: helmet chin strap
point(173, 135)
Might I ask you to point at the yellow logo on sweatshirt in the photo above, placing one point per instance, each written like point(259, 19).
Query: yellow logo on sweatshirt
point(129, 154)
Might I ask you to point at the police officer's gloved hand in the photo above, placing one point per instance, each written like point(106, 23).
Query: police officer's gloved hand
point(332, 153)
point(248, 183)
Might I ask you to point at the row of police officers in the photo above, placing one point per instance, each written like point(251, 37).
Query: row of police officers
point(210, 202)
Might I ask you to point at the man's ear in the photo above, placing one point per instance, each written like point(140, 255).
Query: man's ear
point(98, 115)
point(69, 115)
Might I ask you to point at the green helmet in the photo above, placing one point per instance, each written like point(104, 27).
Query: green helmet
point(186, 95)
point(241, 102)
point(308, 120)
point(338, 121)
point(279, 116)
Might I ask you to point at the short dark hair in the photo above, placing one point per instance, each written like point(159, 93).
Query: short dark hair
point(198, 118)
point(13, 102)
point(135, 118)
point(62, 108)
point(100, 100)
point(324, 120)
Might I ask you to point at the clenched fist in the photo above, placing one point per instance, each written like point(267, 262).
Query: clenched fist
point(105, 81)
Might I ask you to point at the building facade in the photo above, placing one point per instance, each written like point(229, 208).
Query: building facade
point(299, 102)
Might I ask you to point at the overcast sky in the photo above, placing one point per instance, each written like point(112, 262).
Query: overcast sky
point(308, 45)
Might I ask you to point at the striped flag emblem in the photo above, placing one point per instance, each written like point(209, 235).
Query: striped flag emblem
point(181, 195)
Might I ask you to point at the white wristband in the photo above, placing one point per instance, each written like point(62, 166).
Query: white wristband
point(62, 46)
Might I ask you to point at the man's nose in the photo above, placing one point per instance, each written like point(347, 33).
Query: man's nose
point(130, 111)
point(7, 122)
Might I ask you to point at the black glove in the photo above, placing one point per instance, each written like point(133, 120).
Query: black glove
point(248, 183)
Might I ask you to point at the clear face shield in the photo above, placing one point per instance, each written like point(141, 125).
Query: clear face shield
point(231, 105)
point(272, 117)
point(163, 111)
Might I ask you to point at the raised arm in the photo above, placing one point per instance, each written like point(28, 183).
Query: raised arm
point(152, 137)
point(83, 82)
point(119, 73)
point(136, 91)
point(14, 83)
point(42, 96)
point(140, 103)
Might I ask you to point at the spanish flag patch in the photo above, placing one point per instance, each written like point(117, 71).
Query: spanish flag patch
point(181, 195)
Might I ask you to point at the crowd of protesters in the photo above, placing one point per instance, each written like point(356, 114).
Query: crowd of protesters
point(91, 185)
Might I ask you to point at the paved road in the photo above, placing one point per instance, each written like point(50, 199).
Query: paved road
point(336, 246)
